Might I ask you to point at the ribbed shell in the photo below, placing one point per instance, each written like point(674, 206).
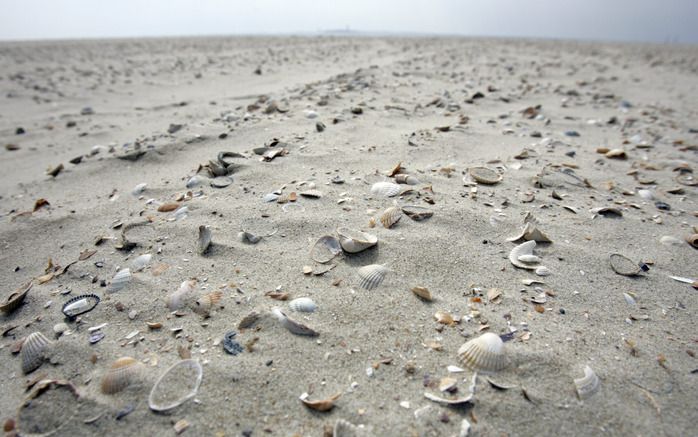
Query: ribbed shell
point(122, 373)
point(588, 384)
point(355, 241)
point(303, 305)
point(483, 354)
point(119, 281)
point(33, 351)
point(205, 303)
point(177, 299)
point(391, 216)
point(14, 300)
point(385, 189)
point(204, 240)
point(178, 384)
point(484, 175)
point(141, 262)
point(371, 276)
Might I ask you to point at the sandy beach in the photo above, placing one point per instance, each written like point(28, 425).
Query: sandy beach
point(111, 149)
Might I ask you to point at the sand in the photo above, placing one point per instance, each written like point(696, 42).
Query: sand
point(380, 349)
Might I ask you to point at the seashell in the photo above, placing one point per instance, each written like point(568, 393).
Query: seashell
point(205, 303)
point(230, 345)
point(355, 241)
point(645, 194)
point(181, 213)
point(371, 276)
point(204, 240)
point(606, 211)
point(303, 304)
point(119, 281)
point(693, 240)
point(385, 189)
point(313, 194)
point(522, 250)
point(456, 401)
point(321, 405)
point(270, 197)
point(624, 265)
point(406, 179)
point(325, 249)
point(168, 207)
point(141, 262)
point(293, 326)
point(417, 213)
point(221, 181)
point(122, 373)
point(177, 385)
point(543, 271)
point(484, 353)
point(531, 232)
point(484, 175)
point(616, 154)
point(80, 305)
point(249, 320)
point(194, 181)
point(33, 351)
point(423, 293)
point(668, 240)
point(247, 237)
point(588, 384)
point(216, 168)
point(342, 428)
point(15, 299)
point(391, 216)
point(529, 259)
point(222, 158)
point(177, 299)
point(139, 189)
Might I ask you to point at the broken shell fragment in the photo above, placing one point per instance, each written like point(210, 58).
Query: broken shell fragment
point(624, 265)
point(206, 303)
point(47, 409)
point(391, 216)
point(325, 249)
point(178, 298)
point(417, 213)
point(80, 305)
point(119, 281)
point(385, 189)
point(355, 241)
point(588, 384)
point(293, 326)
point(484, 353)
point(33, 351)
point(312, 194)
point(371, 276)
point(177, 385)
point(204, 240)
point(246, 237)
point(455, 401)
point(303, 305)
point(141, 262)
point(543, 271)
point(484, 175)
point(343, 428)
point(524, 250)
point(406, 179)
point(321, 405)
point(531, 232)
point(15, 299)
point(122, 373)
point(606, 211)
point(423, 293)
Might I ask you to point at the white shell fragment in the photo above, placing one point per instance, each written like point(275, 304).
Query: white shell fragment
point(33, 351)
point(483, 354)
point(531, 232)
point(325, 249)
point(177, 299)
point(588, 384)
point(204, 240)
point(141, 262)
point(524, 250)
point(303, 305)
point(543, 271)
point(385, 189)
point(177, 385)
point(119, 281)
point(355, 241)
point(293, 326)
point(371, 276)
point(139, 189)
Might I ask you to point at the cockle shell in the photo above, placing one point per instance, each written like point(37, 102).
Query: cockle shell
point(122, 373)
point(484, 353)
point(205, 303)
point(33, 351)
point(355, 241)
point(484, 175)
point(531, 232)
point(176, 385)
point(177, 299)
point(141, 262)
point(80, 305)
point(371, 276)
point(588, 384)
point(406, 179)
point(385, 189)
point(623, 265)
point(391, 216)
point(325, 249)
point(523, 250)
point(14, 300)
point(119, 281)
point(293, 326)
point(204, 240)
point(303, 304)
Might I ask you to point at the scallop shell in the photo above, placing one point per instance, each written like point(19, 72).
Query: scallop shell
point(406, 179)
point(119, 281)
point(531, 232)
point(204, 240)
point(15, 299)
point(484, 353)
point(385, 189)
point(588, 384)
point(522, 250)
point(122, 373)
point(391, 216)
point(80, 305)
point(693, 240)
point(623, 265)
point(205, 303)
point(355, 241)
point(177, 299)
point(325, 249)
point(417, 213)
point(141, 262)
point(177, 385)
point(293, 326)
point(303, 304)
point(33, 351)
point(371, 276)
point(484, 175)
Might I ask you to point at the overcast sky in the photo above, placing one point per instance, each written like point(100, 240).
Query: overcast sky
point(624, 20)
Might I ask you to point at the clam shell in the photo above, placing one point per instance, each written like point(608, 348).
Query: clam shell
point(522, 250)
point(355, 241)
point(588, 384)
point(693, 240)
point(177, 385)
point(303, 305)
point(623, 265)
point(204, 240)
point(33, 351)
point(531, 232)
point(321, 405)
point(80, 305)
point(293, 326)
point(406, 179)
point(417, 213)
point(15, 299)
point(483, 354)
point(119, 281)
point(371, 276)
point(325, 249)
point(177, 299)
point(484, 175)
point(122, 373)
point(385, 189)
point(221, 181)
point(205, 303)
point(391, 216)
point(456, 401)
point(141, 262)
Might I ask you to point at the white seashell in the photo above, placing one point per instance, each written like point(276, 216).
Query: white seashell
point(139, 189)
point(668, 240)
point(194, 181)
point(371, 276)
point(406, 179)
point(181, 213)
point(484, 353)
point(122, 373)
point(531, 232)
point(629, 299)
point(645, 194)
point(588, 384)
point(293, 326)
point(141, 262)
point(270, 197)
point(119, 281)
point(325, 249)
point(522, 250)
point(355, 241)
point(391, 216)
point(303, 304)
point(204, 240)
point(204, 304)
point(529, 259)
point(313, 194)
point(33, 351)
point(177, 385)
point(543, 271)
point(177, 299)
point(385, 189)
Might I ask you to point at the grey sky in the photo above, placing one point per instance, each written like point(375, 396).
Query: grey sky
point(635, 20)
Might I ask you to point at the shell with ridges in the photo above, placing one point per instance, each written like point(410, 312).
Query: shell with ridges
point(119, 281)
point(205, 303)
point(80, 305)
point(141, 262)
point(15, 299)
point(385, 189)
point(303, 305)
point(177, 299)
point(588, 384)
point(33, 351)
point(176, 385)
point(122, 373)
point(355, 241)
point(371, 276)
point(484, 353)
point(523, 249)
point(391, 216)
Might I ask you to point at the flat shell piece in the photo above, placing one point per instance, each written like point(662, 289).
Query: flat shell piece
point(623, 265)
point(293, 326)
point(80, 305)
point(606, 211)
point(531, 232)
point(325, 249)
point(221, 181)
point(321, 405)
point(417, 213)
point(522, 250)
point(484, 175)
point(177, 385)
point(14, 300)
point(449, 401)
point(120, 280)
point(588, 384)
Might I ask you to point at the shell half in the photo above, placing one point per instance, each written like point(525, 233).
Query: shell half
point(303, 305)
point(531, 232)
point(80, 305)
point(385, 189)
point(325, 249)
point(204, 240)
point(588, 384)
point(141, 262)
point(15, 299)
point(122, 373)
point(177, 299)
point(119, 281)
point(484, 353)
point(177, 385)
point(33, 351)
point(484, 175)
point(391, 216)
point(623, 265)
point(355, 241)
point(293, 326)
point(371, 276)
point(417, 213)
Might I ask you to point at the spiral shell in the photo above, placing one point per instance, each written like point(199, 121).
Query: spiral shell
point(355, 241)
point(15, 299)
point(371, 276)
point(141, 262)
point(303, 305)
point(177, 385)
point(385, 189)
point(33, 351)
point(391, 216)
point(484, 353)
point(588, 384)
point(119, 281)
point(122, 373)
